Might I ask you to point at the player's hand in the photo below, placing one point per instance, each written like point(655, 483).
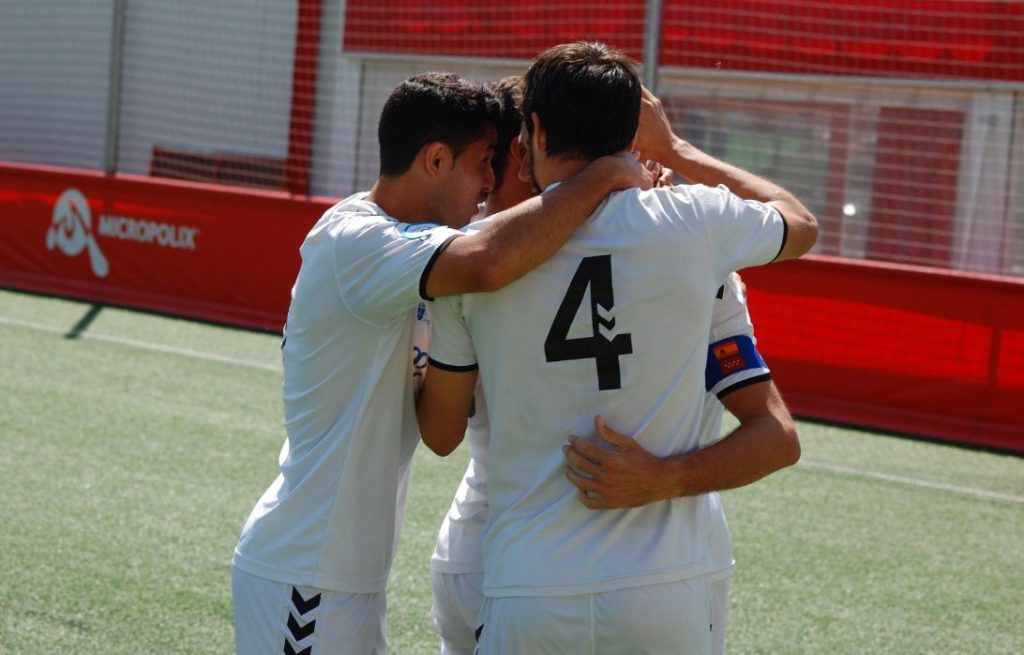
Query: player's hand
point(654, 136)
point(662, 176)
point(616, 471)
point(625, 171)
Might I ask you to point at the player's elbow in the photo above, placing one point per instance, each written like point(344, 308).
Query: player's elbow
point(806, 232)
point(788, 445)
point(441, 450)
point(801, 228)
point(440, 442)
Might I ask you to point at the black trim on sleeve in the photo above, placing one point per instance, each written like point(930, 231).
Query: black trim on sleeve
point(451, 367)
point(430, 264)
point(785, 234)
point(721, 292)
point(764, 377)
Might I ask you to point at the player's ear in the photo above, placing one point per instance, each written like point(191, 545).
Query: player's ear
point(539, 137)
point(516, 152)
point(436, 158)
point(632, 146)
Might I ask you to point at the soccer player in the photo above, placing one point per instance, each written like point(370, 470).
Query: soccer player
point(615, 324)
point(312, 562)
point(740, 379)
point(737, 379)
point(456, 566)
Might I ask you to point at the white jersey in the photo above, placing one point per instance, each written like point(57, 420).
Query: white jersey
point(458, 548)
point(331, 518)
point(615, 324)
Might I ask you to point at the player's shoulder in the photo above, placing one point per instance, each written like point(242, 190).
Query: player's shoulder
point(351, 213)
point(691, 194)
point(660, 198)
point(357, 213)
point(477, 225)
point(357, 219)
point(680, 204)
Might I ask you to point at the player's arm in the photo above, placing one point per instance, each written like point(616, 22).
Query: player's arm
point(764, 442)
point(443, 405)
point(442, 408)
point(521, 238)
point(655, 140)
point(622, 474)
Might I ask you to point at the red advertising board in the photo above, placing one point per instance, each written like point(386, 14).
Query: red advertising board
point(894, 347)
point(885, 346)
point(215, 253)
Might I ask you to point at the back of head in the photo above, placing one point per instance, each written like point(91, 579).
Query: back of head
point(429, 108)
point(587, 97)
point(509, 91)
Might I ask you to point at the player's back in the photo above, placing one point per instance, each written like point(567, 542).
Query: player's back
point(615, 324)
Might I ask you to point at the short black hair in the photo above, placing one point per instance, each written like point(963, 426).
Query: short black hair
point(587, 97)
point(428, 108)
point(509, 91)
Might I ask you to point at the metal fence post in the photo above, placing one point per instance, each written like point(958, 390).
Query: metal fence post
point(652, 44)
point(114, 90)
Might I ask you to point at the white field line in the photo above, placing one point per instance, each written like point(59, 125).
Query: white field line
point(804, 463)
point(145, 345)
point(915, 482)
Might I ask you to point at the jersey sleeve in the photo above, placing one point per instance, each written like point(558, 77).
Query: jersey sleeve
point(741, 233)
point(382, 267)
point(451, 346)
point(733, 359)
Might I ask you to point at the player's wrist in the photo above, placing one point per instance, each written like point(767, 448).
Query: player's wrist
point(685, 158)
point(677, 476)
point(619, 172)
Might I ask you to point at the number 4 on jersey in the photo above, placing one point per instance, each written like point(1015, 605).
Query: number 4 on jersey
point(605, 346)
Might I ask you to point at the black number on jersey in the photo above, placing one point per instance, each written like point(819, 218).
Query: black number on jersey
point(605, 346)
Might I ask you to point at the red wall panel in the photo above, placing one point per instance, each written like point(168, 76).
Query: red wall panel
point(895, 347)
point(885, 346)
point(208, 252)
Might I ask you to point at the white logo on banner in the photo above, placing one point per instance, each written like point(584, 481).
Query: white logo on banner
point(71, 230)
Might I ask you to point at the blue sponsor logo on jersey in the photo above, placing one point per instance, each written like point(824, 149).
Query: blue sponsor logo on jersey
point(415, 231)
point(419, 358)
point(421, 311)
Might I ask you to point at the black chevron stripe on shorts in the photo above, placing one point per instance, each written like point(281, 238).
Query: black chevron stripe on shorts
point(299, 630)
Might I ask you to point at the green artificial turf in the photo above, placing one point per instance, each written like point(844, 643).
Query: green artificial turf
point(132, 447)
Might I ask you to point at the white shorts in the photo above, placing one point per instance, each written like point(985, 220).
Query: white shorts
point(275, 618)
point(718, 591)
point(672, 618)
point(458, 601)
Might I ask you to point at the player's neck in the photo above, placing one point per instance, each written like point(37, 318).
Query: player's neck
point(400, 197)
point(509, 194)
point(557, 169)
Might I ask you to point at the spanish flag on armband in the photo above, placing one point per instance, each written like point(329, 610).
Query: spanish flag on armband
point(729, 357)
